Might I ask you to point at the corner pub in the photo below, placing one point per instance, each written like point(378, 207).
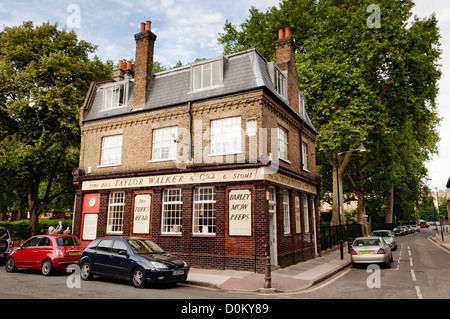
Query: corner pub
point(213, 161)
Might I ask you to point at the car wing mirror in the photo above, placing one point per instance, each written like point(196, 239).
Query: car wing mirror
point(123, 253)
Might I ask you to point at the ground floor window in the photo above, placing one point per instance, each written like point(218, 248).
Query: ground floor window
point(171, 212)
point(204, 219)
point(115, 213)
point(287, 216)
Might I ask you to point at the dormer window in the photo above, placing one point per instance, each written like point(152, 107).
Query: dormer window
point(302, 104)
point(280, 83)
point(115, 95)
point(207, 75)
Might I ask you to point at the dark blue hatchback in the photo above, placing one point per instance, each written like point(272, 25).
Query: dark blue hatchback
point(136, 259)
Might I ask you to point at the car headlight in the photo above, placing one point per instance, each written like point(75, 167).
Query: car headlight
point(155, 264)
point(185, 264)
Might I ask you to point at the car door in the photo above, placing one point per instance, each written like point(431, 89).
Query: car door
point(100, 256)
point(119, 264)
point(40, 252)
point(25, 257)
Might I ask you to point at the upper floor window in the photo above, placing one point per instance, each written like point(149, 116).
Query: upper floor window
point(207, 75)
point(282, 143)
point(304, 156)
point(164, 145)
point(302, 104)
point(280, 83)
point(115, 95)
point(111, 150)
point(226, 136)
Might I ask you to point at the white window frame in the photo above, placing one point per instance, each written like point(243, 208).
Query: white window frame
point(305, 156)
point(165, 138)
point(116, 209)
point(111, 150)
point(286, 212)
point(207, 75)
point(204, 211)
point(272, 200)
point(305, 213)
point(115, 95)
point(172, 208)
point(282, 144)
point(280, 82)
point(226, 136)
point(302, 104)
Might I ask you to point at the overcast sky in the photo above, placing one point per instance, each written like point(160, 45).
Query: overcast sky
point(188, 29)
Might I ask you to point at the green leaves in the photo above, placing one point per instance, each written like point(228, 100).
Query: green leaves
point(45, 73)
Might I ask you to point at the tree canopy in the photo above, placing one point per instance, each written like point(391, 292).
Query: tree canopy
point(45, 73)
point(366, 84)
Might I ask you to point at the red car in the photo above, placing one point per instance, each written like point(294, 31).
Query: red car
point(45, 252)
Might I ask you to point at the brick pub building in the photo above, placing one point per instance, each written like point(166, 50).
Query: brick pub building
point(214, 161)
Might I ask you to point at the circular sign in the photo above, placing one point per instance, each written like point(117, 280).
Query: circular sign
point(92, 202)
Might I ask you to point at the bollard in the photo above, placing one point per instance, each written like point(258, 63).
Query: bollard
point(268, 276)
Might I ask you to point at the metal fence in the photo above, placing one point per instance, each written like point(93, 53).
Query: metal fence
point(330, 236)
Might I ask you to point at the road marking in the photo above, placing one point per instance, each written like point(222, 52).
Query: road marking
point(413, 275)
point(419, 294)
point(410, 261)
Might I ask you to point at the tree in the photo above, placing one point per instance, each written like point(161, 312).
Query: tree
point(44, 77)
point(364, 85)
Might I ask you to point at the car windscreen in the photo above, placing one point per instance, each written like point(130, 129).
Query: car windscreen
point(366, 242)
point(381, 234)
point(144, 246)
point(67, 241)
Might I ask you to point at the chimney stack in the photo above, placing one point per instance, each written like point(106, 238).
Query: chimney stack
point(145, 41)
point(125, 71)
point(285, 59)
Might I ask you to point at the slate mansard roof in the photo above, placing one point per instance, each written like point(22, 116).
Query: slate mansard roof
point(242, 71)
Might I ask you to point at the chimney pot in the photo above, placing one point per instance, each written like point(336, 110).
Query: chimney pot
point(142, 26)
point(280, 34)
point(129, 65)
point(287, 32)
point(120, 64)
point(149, 24)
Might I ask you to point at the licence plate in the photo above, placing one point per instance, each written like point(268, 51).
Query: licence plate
point(178, 272)
point(367, 252)
point(74, 253)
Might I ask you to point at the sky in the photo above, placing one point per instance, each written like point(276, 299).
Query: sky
point(188, 29)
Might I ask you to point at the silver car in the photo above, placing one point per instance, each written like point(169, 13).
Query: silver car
point(388, 237)
point(371, 250)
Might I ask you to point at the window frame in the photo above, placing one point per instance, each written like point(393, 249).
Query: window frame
point(305, 156)
point(165, 227)
point(305, 213)
point(283, 143)
point(280, 82)
point(286, 213)
point(116, 213)
point(224, 137)
point(172, 148)
point(211, 212)
point(110, 101)
point(207, 75)
point(114, 152)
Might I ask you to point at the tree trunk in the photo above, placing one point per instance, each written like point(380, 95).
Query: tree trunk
point(341, 162)
point(390, 206)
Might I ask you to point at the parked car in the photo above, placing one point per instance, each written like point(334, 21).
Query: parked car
point(45, 252)
point(371, 250)
point(398, 231)
point(388, 237)
point(5, 242)
point(424, 225)
point(405, 229)
point(410, 229)
point(136, 259)
point(415, 228)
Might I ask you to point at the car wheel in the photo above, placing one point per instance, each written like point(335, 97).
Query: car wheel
point(86, 271)
point(138, 277)
point(10, 265)
point(47, 267)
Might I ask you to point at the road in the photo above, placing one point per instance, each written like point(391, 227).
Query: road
point(420, 270)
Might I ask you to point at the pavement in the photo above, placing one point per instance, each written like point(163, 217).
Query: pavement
point(437, 238)
point(290, 279)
